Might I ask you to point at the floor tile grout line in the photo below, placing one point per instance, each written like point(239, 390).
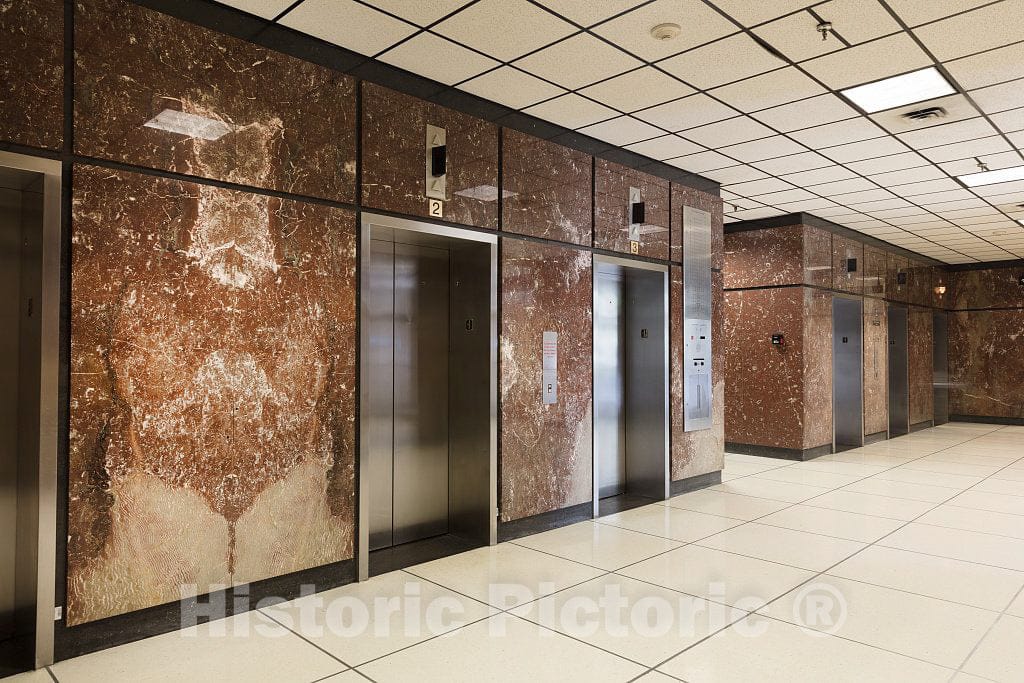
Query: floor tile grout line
point(973, 531)
point(306, 640)
point(425, 640)
point(991, 627)
point(1000, 512)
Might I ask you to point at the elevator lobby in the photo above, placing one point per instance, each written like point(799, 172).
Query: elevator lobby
point(511, 340)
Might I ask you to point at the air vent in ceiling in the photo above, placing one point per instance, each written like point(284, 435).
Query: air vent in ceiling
point(925, 114)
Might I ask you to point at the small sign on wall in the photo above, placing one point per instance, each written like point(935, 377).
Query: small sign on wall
point(435, 208)
point(549, 380)
point(634, 247)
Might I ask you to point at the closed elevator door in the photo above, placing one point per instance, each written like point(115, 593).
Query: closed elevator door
point(409, 372)
point(899, 380)
point(848, 372)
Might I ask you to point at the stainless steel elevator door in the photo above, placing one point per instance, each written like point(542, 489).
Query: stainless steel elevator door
point(409, 389)
point(848, 372)
point(609, 380)
point(899, 380)
point(10, 278)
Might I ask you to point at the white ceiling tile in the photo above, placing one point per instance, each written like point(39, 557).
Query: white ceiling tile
point(485, 26)
point(857, 20)
point(984, 28)
point(926, 187)
point(867, 62)
point(724, 61)
point(752, 12)
point(1009, 121)
point(728, 132)
point(832, 212)
point(996, 98)
point(268, 9)
point(639, 89)
point(665, 147)
point(793, 163)
point(757, 187)
point(838, 133)
point(949, 133)
point(578, 61)
point(993, 161)
point(957, 108)
point(688, 112)
point(348, 24)
point(988, 68)
point(754, 214)
point(968, 149)
point(820, 176)
point(999, 189)
point(785, 196)
point(880, 205)
point(770, 148)
point(586, 13)
point(438, 59)
point(813, 204)
point(894, 162)
point(621, 131)
point(698, 24)
point(941, 197)
point(840, 187)
point(967, 213)
point(701, 162)
point(571, 111)
point(511, 87)
point(971, 202)
point(737, 174)
point(768, 90)
point(1017, 138)
point(796, 36)
point(908, 175)
point(852, 198)
point(866, 149)
point(806, 113)
point(896, 216)
point(421, 12)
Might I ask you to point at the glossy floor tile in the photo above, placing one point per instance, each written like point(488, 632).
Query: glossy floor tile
point(670, 522)
point(598, 545)
point(836, 523)
point(785, 546)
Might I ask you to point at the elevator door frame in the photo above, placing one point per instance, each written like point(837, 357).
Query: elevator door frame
point(663, 270)
point(375, 226)
point(847, 385)
point(45, 481)
point(898, 337)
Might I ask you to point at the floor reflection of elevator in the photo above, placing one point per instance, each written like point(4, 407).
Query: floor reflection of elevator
point(427, 374)
point(899, 379)
point(630, 384)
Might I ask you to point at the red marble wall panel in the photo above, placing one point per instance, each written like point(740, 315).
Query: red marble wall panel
point(817, 377)
point(546, 449)
point(920, 351)
point(212, 390)
point(758, 258)
point(817, 257)
point(703, 451)
point(547, 189)
point(688, 196)
point(897, 278)
point(986, 365)
point(611, 210)
point(247, 115)
point(919, 280)
point(843, 250)
point(764, 385)
point(875, 271)
point(32, 72)
point(986, 288)
point(876, 366)
point(394, 158)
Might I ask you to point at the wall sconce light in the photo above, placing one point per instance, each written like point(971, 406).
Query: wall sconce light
point(940, 290)
point(1020, 280)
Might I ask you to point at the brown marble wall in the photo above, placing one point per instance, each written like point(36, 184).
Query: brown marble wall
point(817, 257)
point(611, 209)
point(942, 278)
point(547, 189)
point(32, 72)
point(986, 365)
point(687, 196)
point(764, 383)
point(876, 366)
point(920, 285)
point(894, 267)
point(546, 450)
point(212, 390)
point(394, 158)
point(280, 123)
point(759, 258)
point(875, 271)
point(817, 368)
point(986, 288)
point(920, 351)
point(843, 250)
point(703, 451)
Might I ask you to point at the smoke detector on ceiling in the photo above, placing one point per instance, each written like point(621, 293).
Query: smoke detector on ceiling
point(925, 114)
point(666, 31)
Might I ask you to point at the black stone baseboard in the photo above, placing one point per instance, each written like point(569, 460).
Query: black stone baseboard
point(875, 438)
point(127, 628)
point(927, 424)
point(545, 521)
point(987, 419)
point(775, 452)
point(417, 552)
point(700, 481)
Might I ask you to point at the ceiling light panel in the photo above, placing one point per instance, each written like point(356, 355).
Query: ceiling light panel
point(578, 61)
point(631, 31)
point(869, 62)
point(721, 62)
point(639, 89)
point(897, 91)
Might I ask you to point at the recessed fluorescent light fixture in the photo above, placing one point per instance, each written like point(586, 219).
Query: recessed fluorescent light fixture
point(192, 125)
point(1003, 175)
point(917, 86)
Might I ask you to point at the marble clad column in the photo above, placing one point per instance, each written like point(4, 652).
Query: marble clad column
point(32, 72)
point(611, 208)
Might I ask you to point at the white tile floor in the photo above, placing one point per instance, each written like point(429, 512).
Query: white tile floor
point(901, 561)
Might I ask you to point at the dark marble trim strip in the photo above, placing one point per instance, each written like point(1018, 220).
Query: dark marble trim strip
point(694, 483)
point(407, 554)
point(985, 310)
point(918, 426)
point(988, 419)
point(986, 265)
point(151, 621)
point(876, 437)
point(842, 292)
point(776, 452)
point(545, 521)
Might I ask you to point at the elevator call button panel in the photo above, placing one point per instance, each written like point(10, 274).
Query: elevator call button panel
point(549, 379)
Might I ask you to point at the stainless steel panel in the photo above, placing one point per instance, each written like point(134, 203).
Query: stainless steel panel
point(10, 282)
point(379, 360)
point(697, 342)
point(609, 379)
point(420, 493)
point(941, 367)
point(847, 372)
point(899, 379)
